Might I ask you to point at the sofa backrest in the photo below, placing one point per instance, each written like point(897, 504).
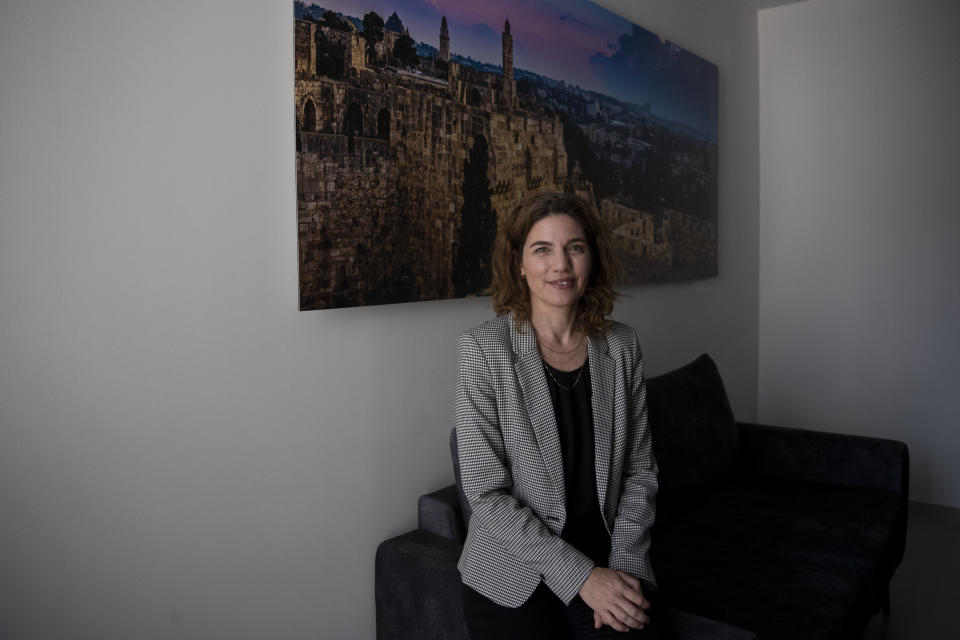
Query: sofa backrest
point(695, 437)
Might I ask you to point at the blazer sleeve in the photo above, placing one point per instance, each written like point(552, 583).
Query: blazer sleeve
point(630, 538)
point(488, 483)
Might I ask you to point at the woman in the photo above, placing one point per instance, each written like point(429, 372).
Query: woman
point(554, 449)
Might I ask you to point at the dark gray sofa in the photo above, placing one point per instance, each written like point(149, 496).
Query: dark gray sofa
point(762, 532)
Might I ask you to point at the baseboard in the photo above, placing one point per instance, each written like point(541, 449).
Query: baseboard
point(936, 511)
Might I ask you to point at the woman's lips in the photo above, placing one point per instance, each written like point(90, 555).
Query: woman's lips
point(564, 283)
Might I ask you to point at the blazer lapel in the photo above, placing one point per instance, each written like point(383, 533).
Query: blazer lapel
point(529, 369)
point(602, 384)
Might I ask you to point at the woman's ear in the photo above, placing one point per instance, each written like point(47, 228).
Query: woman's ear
point(516, 259)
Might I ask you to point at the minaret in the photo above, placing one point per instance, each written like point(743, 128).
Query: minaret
point(508, 96)
point(444, 40)
point(507, 52)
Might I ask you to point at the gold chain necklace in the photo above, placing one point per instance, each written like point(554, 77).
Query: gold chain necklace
point(575, 382)
point(579, 344)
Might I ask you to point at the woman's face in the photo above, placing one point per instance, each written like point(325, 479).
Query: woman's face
point(556, 262)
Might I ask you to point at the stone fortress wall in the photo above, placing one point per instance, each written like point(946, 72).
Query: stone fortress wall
point(666, 247)
point(380, 168)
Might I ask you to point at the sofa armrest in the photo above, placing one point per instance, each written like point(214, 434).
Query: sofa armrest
point(417, 588)
point(439, 513)
point(826, 458)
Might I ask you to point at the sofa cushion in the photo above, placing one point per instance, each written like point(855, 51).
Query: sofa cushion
point(695, 438)
point(782, 558)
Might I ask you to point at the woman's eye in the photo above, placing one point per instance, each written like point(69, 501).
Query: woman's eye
point(577, 248)
point(540, 250)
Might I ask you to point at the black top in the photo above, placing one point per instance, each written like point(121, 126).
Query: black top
point(584, 527)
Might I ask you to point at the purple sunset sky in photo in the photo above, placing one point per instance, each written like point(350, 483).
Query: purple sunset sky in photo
point(571, 40)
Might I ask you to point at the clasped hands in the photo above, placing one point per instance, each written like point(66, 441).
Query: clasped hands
point(616, 598)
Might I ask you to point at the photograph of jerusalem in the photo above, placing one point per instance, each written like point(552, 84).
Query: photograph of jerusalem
point(420, 124)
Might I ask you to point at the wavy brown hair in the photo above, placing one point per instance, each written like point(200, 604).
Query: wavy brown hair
point(510, 291)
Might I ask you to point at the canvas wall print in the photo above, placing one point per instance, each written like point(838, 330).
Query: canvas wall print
point(420, 124)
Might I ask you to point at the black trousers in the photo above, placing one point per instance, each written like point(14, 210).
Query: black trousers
point(545, 617)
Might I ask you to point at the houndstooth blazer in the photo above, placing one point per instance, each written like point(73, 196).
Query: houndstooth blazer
point(511, 465)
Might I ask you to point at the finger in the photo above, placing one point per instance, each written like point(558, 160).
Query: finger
point(636, 598)
point(631, 580)
point(630, 616)
point(616, 625)
point(626, 622)
point(597, 622)
point(634, 590)
point(637, 614)
point(613, 623)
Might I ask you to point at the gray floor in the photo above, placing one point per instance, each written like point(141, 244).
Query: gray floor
point(925, 593)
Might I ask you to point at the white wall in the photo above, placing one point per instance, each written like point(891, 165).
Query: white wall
point(860, 219)
point(182, 453)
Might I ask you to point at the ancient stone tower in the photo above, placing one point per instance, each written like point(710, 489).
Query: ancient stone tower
point(509, 85)
point(507, 51)
point(444, 40)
